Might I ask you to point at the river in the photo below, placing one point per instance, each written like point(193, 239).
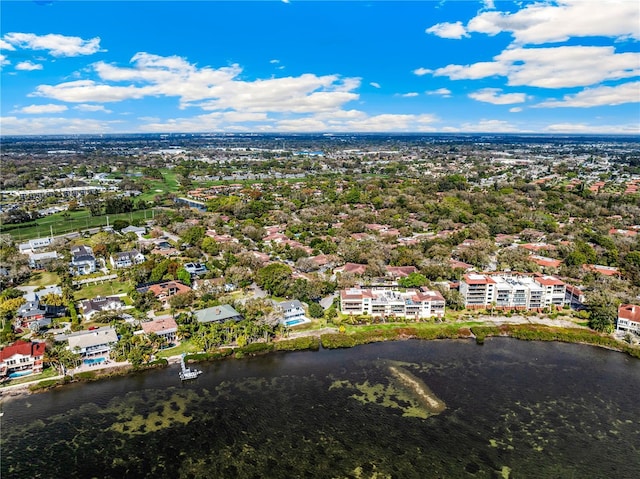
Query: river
point(407, 409)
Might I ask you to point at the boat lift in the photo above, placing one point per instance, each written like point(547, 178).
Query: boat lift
point(188, 373)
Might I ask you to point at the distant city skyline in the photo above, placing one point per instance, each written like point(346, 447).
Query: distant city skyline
point(568, 66)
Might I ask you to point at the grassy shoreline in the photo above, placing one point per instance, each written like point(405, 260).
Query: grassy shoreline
point(400, 332)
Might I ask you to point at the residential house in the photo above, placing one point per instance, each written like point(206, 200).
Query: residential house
point(33, 245)
point(195, 269)
point(41, 260)
point(21, 359)
point(91, 307)
point(82, 260)
point(138, 230)
point(628, 319)
point(91, 344)
point(126, 259)
point(351, 268)
point(165, 327)
point(165, 291)
point(292, 313)
point(218, 314)
point(397, 272)
point(574, 297)
point(418, 304)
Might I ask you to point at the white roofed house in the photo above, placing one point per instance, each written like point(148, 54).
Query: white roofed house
point(292, 313)
point(41, 260)
point(126, 259)
point(91, 344)
point(82, 260)
point(91, 307)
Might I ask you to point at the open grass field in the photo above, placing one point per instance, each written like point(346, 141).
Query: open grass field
point(61, 224)
point(108, 288)
point(42, 278)
point(168, 184)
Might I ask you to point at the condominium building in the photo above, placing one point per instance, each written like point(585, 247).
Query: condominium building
point(628, 319)
point(417, 304)
point(512, 291)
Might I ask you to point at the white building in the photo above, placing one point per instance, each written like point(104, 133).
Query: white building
point(126, 259)
point(628, 319)
point(90, 344)
point(417, 304)
point(512, 291)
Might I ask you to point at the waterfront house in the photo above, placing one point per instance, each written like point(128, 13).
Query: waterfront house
point(292, 312)
point(21, 359)
point(218, 314)
point(91, 344)
point(165, 327)
point(628, 319)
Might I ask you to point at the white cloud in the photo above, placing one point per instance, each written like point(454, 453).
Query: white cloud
point(6, 45)
point(421, 71)
point(515, 109)
point(3, 60)
point(207, 88)
point(598, 96)
point(375, 84)
point(56, 45)
point(545, 22)
point(445, 92)
point(28, 66)
point(559, 67)
point(40, 109)
point(409, 95)
point(473, 71)
point(12, 125)
point(632, 128)
point(496, 97)
point(82, 91)
point(88, 107)
point(274, 61)
point(448, 30)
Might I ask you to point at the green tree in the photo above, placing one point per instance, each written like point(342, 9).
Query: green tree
point(274, 278)
point(315, 310)
point(413, 280)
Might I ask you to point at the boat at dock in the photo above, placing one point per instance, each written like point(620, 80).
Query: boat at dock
point(188, 373)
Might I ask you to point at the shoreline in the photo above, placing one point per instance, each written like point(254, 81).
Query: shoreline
point(329, 338)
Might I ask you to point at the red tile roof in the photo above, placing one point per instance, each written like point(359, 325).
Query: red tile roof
point(24, 348)
point(630, 312)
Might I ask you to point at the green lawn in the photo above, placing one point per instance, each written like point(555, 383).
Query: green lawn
point(75, 221)
point(429, 325)
point(46, 373)
point(42, 278)
point(185, 346)
point(168, 184)
point(109, 288)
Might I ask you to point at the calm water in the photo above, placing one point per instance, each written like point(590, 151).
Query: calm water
point(513, 409)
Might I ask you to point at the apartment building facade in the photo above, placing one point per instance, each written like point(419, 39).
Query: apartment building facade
point(512, 291)
point(418, 304)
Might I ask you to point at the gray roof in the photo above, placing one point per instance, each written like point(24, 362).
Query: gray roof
point(93, 338)
point(290, 304)
point(221, 313)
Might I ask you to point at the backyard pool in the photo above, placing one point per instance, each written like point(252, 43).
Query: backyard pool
point(93, 361)
point(19, 374)
point(293, 322)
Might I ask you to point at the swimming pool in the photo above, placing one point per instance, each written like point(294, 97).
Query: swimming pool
point(293, 322)
point(92, 361)
point(19, 374)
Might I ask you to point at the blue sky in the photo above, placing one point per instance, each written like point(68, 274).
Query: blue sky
point(568, 66)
